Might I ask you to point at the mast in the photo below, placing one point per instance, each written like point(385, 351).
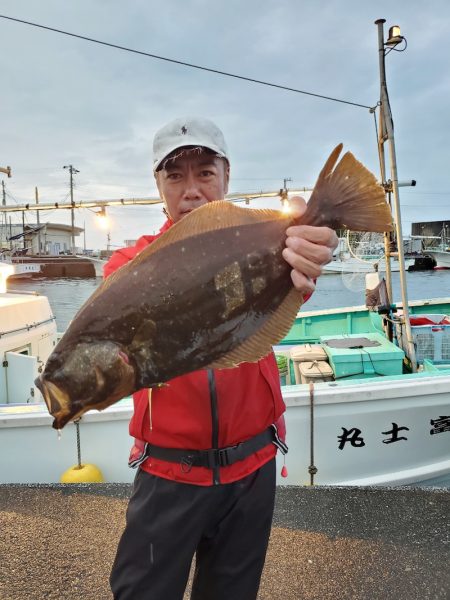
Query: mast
point(391, 186)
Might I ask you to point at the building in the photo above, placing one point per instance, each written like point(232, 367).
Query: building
point(48, 238)
point(431, 228)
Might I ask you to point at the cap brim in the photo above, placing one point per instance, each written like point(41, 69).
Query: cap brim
point(192, 144)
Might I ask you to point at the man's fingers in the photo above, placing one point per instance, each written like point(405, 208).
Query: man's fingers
point(302, 264)
point(313, 252)
point(302, 283)
point(317, 235)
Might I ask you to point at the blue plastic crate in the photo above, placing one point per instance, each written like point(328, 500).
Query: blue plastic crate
point(432, 342)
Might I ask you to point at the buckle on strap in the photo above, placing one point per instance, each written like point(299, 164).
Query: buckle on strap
point(223, 457)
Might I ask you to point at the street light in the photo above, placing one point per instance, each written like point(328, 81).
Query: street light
point(394, 36)
point(104, 223)
point(103, 219)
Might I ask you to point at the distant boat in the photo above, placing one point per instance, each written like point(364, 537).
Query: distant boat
point(351, 264)
point(441, 256)
point(98, 263)
point(20, 270)
point(361, 256)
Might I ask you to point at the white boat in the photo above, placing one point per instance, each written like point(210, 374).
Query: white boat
point(18, 270)
point(98, 263)
point(350, 264)
point(366, 430)
point(369, 259)
point(442, 257)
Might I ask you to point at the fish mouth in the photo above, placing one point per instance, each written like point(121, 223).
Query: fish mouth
point(57, 401)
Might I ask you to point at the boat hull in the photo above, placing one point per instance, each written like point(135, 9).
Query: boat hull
point(441, 257)
point(382, 430)
point(361, 433)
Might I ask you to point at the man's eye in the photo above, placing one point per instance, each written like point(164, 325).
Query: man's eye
point(207, 173)
point(173, 176)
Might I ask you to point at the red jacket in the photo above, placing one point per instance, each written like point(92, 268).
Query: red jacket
point(181, 414)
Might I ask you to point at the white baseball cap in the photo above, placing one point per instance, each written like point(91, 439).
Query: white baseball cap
point(187, 131)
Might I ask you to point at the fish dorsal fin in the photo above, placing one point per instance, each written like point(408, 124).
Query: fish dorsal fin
point(348, 197)
point(261, 342)
point(213, 216)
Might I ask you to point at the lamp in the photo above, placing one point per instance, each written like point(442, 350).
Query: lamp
point(103, 218)
point(394, 36)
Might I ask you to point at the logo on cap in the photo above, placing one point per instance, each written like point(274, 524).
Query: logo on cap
point(184, 130)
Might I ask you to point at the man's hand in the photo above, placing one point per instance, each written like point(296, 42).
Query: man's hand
point(307, 249)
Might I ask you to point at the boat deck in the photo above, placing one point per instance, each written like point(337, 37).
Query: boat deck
point(58, 542)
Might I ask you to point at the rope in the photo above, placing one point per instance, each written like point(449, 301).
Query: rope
point(312, 469)
point(77, 425)
point(183, 63)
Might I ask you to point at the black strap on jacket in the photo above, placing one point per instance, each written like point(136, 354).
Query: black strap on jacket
point(215, 457)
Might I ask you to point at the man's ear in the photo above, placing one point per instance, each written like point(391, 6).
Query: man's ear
point(227, 175)
point(157, 176)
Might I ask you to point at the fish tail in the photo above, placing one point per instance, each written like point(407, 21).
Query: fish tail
point(347, 196)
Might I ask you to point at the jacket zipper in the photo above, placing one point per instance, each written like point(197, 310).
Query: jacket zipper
point(214, 421)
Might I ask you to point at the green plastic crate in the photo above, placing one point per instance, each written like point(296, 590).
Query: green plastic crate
point(369, 361)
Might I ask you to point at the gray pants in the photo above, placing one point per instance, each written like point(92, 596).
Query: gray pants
point(226, 526)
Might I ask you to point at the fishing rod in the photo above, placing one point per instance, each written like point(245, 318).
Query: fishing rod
point(235, 197)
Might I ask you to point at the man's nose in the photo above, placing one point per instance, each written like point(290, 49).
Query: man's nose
point(192, 188)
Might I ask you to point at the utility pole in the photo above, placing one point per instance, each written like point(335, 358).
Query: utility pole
point(23, 232)
point(284, 195)
point(72, 171)
point(6, 170)
point(5, 226)
point(37, 220)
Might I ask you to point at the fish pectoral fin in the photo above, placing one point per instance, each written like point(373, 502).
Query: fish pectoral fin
point(260, 343)
point(145, 332)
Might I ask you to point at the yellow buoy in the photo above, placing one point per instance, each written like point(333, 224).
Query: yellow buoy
point(82, 474)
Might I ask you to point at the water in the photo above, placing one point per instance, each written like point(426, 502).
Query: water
point(333, 291)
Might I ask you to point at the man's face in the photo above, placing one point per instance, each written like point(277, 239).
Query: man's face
point(191, 179)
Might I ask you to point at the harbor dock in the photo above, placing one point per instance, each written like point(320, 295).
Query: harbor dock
point(59, 542)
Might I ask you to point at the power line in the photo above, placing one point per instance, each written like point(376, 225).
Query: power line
point(185, 64)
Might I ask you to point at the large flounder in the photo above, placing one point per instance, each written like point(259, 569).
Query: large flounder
point(213, 291)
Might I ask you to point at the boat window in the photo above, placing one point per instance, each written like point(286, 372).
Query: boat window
point(25, 350)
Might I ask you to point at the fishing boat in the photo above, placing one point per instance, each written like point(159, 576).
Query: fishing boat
point(362, 257)
point(367, 390)
point(358, 417)
point(97, 262)
point(442, 258)
point(350, 264)
point(19, 270)
point(441, 254)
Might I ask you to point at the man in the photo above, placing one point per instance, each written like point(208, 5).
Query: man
point(205, 443)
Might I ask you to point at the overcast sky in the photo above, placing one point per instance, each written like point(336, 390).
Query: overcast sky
point(68, 101)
